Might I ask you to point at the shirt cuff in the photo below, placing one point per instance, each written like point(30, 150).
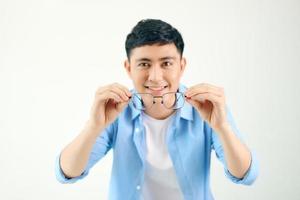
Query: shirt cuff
point(250, 175)
point(60, 176)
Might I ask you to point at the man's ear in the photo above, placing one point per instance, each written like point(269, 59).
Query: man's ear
point(182, 65)
point(127, 67)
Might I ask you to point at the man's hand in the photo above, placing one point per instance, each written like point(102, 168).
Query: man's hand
point(109, 101)
point(209, 101)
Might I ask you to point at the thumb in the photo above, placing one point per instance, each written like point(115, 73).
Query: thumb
point(192, 102)
point(120, 106)
point(196, 104)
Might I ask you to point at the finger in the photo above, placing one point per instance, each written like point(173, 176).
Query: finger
point(121, 106)
point(216, 100)
point(125, 89)
point(191, 101)
point(195, 104)
point(201, 99)
point(204, 89)
point(103, 89)
point(110, 95)
point(125, 92)
point(200, 89)
point(119, 92)
point(204, 86)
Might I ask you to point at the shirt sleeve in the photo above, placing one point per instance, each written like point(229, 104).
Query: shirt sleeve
point(252, 171)
point(102, 145)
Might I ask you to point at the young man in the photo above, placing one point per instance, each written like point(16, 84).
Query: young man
point(161, 132)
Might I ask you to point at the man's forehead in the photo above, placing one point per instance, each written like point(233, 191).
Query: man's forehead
point(155, 52)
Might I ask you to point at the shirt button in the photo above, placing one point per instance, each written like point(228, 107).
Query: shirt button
point(137, 130)
point(138, 187)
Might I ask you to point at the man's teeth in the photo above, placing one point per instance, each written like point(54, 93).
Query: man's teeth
point(156, 88)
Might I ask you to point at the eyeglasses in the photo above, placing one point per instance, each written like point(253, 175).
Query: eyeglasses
point(170, 100)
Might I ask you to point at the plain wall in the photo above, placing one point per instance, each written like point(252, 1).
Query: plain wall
point(55, 54)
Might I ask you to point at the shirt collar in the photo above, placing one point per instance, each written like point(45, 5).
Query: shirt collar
point(186, 112)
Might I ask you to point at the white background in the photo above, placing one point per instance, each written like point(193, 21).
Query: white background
point(55, 54)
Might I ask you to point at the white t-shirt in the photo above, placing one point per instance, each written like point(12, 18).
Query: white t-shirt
point(160, 179)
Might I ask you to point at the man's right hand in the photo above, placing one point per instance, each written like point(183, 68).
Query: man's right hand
point(109, 101)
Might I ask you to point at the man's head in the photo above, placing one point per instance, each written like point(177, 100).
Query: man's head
point(153, 31)
point(154, 57)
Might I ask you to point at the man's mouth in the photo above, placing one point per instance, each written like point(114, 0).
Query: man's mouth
point(156, 90)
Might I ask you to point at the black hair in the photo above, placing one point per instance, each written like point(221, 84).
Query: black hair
point(153, 31)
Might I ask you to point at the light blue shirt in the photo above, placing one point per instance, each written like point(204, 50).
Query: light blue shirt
point(190, 141)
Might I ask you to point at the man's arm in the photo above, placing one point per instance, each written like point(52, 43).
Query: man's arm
point(209, 100)
point(237, 156)
point(109, 101)
point(74, 157)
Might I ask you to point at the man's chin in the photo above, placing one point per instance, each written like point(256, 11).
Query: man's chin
point(159, 112)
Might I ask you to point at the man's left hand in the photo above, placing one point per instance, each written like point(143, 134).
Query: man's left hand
point(209, 101)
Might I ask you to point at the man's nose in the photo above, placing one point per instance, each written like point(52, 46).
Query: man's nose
point(155, 73)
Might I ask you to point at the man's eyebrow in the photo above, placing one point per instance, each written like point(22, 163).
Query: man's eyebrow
point(142, 59)
point(168, 58)
point(149, 60)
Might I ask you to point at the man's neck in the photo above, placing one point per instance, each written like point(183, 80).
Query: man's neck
point(159, 114)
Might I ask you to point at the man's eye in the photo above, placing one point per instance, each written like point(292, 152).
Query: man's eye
point(166, 64)
point(144, 64)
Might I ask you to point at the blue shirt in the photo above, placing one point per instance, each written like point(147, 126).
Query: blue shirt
point(190, 141)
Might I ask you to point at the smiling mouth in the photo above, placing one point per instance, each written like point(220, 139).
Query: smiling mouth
point(156, 88)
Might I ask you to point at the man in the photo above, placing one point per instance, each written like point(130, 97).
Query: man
point(161, 132)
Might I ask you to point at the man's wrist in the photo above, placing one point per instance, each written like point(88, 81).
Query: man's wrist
point(93, 128)
point(223, 129)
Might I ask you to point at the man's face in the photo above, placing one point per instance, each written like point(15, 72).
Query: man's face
point(155, 69)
